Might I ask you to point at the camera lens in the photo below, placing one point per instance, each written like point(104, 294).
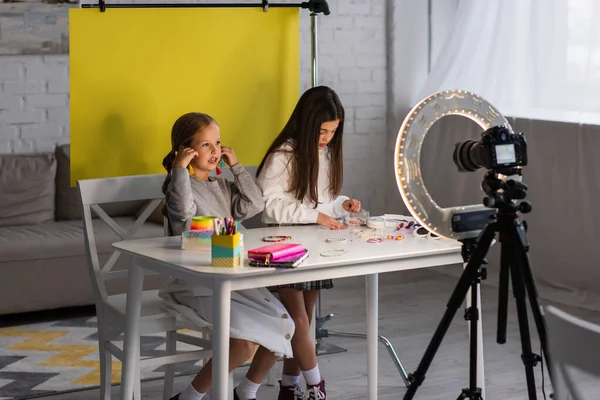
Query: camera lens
point(466, 156)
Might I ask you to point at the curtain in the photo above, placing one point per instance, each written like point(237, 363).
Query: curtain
point(529, 58)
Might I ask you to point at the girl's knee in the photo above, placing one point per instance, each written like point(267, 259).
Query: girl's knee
point(302, 324)
point(244, 348)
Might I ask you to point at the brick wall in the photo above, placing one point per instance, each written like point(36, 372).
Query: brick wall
point(34, 93)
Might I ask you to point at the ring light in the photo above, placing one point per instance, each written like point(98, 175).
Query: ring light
point(407, 157)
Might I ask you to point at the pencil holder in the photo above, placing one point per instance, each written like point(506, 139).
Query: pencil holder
point(226, 251)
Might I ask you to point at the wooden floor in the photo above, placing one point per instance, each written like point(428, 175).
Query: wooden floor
point(411, 305)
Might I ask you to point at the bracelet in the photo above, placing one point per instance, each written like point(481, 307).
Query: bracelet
point(375, 240)
point(335, 240)
point(274, 239)
point(333, 253)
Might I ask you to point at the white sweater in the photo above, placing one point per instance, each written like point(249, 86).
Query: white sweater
point(281, 207)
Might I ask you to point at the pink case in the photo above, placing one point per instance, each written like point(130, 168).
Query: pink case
point(276, 251)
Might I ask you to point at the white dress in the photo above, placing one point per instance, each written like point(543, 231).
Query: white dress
point(256, 315)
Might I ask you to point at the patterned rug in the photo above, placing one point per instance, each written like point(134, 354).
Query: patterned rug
point(47, 358)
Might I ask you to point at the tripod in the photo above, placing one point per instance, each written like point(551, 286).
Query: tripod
point(514, 262)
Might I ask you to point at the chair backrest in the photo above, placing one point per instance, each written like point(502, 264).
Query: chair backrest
point(574, 346)
point(95, 192)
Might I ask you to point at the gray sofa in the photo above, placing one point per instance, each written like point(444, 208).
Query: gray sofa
point(43, 262)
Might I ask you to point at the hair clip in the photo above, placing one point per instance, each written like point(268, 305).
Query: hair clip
point(220, 166)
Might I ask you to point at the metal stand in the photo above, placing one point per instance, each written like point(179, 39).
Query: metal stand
point(514, 263)
point(320, 320)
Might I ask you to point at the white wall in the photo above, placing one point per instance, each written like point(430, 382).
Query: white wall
point(357, 42)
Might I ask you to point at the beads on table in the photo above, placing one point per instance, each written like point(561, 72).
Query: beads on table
point(395, 237)
point(355, 221)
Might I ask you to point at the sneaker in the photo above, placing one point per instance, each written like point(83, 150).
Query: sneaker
point(316, 392)
point(176, 397)
point(235, 396)
point(290, 392)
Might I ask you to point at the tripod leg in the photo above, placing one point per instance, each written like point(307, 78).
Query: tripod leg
point(458, 295)
point(528, 357)
point(528, 278)
point(473, 315)
point(503, 293)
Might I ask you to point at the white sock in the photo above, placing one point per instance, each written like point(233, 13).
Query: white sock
point(247, 389)
point(290, 380)
point(191, 394)
point(312, 377)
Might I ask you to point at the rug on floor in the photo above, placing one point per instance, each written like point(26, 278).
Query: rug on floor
point(62, 356)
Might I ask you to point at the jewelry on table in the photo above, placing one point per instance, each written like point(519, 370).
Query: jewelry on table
point(276, 238)
point(333, 253)
point(375, 240)
point(336, 240)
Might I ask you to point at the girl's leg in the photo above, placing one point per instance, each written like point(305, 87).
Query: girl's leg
point(240, 351)
point(300, 305)
point(262, 362)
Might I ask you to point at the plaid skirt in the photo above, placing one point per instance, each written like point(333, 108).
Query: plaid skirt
point(304, 286)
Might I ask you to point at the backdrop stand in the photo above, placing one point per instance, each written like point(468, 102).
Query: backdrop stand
point(320, 332)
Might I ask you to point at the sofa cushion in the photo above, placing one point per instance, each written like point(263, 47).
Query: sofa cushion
point(68, 200)
point(27, 187)
point(62, 239)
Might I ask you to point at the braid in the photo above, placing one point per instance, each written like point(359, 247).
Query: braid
point(168, 165)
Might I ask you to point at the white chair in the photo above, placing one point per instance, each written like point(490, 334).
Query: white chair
point(110, 309)
point(573, 343)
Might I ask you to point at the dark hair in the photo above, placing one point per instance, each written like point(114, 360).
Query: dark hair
point(316, 106)
point(182, 134)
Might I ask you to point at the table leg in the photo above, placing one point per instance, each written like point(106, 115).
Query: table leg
point(221, 324)
point(372, 289)
point(131, 342)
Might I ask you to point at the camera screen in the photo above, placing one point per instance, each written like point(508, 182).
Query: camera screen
point(505, 154)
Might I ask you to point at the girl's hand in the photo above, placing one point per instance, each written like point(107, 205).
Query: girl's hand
point(351, 205)
point(229, 156)
point(184, 157)
point(328, 222)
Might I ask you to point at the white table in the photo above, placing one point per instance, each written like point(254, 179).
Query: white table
point(163, 255)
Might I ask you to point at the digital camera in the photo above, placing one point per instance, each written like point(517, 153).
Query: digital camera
point(497, 149)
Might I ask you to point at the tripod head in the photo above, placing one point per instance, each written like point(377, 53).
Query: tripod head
point(317, 6)
point(501, 193)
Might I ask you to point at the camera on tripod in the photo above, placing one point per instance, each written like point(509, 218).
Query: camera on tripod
point(499, 149)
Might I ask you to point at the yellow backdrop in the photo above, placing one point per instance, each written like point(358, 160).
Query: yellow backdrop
point(135, 71)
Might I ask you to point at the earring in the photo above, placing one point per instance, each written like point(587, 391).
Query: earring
point(220, 165)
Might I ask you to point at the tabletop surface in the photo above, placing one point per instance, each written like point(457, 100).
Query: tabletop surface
point(167, 250)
